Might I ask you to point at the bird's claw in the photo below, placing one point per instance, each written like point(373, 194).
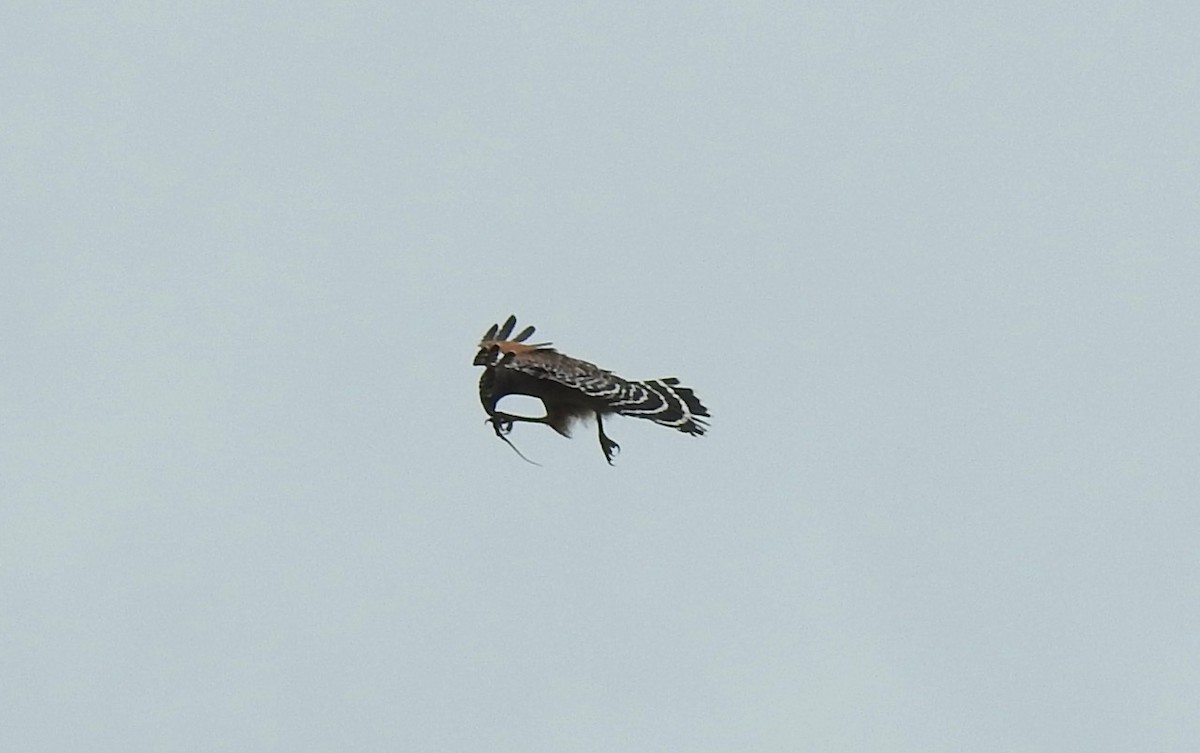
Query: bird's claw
point(610, 448)
point(500, 424)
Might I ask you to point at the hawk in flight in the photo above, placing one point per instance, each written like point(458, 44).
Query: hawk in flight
point(572, 390)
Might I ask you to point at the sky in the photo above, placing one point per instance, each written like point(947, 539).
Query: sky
point(932, 268)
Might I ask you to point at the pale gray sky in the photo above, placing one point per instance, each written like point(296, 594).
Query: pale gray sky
point(933, 268)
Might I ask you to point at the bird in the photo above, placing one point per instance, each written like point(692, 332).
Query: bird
point(573, 391)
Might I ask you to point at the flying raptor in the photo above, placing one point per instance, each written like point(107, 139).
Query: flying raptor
point(573, 390)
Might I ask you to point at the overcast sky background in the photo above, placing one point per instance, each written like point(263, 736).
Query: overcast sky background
point(933, 268)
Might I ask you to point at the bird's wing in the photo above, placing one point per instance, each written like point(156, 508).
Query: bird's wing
point(549, 364)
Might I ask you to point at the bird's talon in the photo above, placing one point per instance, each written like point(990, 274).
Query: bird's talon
point(610, 448)
point(501, 426)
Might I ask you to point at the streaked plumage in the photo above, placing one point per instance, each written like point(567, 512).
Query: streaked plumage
point(573, 390)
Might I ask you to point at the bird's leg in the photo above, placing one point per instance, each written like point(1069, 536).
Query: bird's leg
point(500, 423)
point(503, 422)
point(606, 444)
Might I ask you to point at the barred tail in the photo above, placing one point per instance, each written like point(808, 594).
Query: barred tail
point(664, 402)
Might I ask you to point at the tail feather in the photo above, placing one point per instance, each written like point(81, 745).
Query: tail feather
point(664, 402)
